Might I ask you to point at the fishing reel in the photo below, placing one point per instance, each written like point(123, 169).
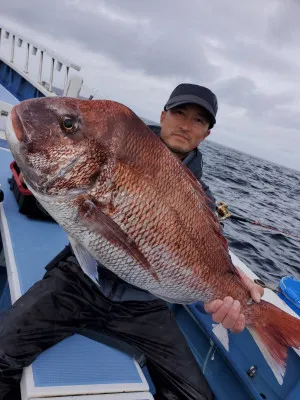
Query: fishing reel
point(222, 211)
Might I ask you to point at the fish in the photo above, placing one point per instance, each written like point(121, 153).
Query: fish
point(127, 200)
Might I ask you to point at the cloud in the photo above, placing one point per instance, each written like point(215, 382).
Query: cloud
point(242, 92)
point(257, 55)
point(135, 52)
point(284, 28)
point(128, 40)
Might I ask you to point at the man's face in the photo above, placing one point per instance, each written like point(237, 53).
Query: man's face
point(184, 127)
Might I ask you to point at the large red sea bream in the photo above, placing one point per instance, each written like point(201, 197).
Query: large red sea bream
point(120, 193)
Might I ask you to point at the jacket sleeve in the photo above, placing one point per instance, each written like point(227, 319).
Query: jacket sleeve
point(211, 201)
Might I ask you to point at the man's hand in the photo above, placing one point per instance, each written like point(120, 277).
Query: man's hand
point(228, 311)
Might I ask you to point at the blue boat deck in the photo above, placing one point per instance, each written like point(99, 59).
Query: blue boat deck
point(6, 96)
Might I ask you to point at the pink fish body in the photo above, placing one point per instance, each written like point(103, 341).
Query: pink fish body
point(116, 189)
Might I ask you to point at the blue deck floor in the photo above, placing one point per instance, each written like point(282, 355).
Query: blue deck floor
point(6, 96)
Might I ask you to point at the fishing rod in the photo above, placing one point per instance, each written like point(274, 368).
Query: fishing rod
point(224, 213)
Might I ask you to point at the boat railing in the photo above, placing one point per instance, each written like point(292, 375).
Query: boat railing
point(33, 49)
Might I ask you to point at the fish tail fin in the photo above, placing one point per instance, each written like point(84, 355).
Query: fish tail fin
point(274, 331)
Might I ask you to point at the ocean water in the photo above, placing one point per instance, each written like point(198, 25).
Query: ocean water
point(260, 190)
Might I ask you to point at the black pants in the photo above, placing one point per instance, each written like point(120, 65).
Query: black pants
point(73, 304)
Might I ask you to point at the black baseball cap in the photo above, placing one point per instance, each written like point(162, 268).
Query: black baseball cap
point(190, 93)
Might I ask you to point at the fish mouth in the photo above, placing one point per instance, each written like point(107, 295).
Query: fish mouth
point(14, 131)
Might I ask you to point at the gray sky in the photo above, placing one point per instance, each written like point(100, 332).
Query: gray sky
point(136, 51)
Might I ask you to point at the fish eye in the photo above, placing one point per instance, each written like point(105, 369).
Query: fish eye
point(68, 124)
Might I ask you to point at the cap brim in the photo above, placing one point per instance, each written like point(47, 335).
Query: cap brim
point(185, 99)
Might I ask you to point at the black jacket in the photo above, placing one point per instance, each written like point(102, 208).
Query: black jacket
point(195, 165)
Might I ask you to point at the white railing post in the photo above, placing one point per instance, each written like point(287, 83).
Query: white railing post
point(31, 49)
point(41, 67)
point(12, 49)
point(66, 79)
point(27, 59)
point(51, 74)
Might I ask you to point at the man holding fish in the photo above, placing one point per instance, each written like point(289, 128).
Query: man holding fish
point(142, 229)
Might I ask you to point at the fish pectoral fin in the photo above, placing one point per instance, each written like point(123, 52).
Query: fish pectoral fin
point(109, 229)
point(85, 259)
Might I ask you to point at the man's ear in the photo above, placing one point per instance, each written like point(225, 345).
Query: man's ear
point(207, 133)
point(162, 116)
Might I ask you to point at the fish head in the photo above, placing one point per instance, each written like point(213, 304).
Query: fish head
point(60, 144)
